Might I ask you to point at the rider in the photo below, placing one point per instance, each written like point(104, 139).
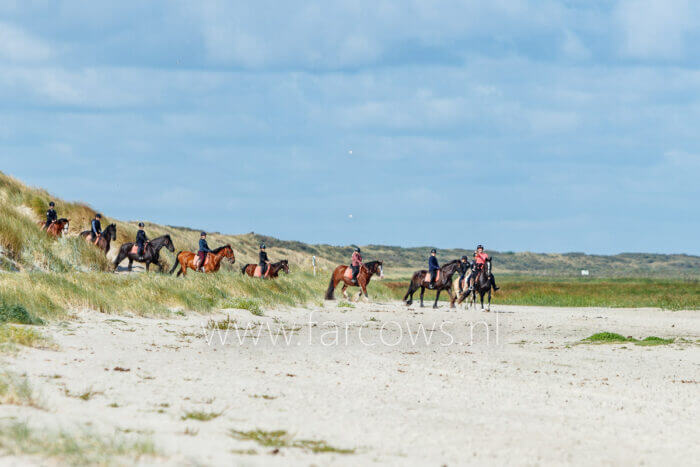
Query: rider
point(141, 239)
point(51, 215)
point(355, 263)
point(433, 267)
point(95, 227)
point(464, 268)
point(264, 262)
point(480, 259)
point(203, 250)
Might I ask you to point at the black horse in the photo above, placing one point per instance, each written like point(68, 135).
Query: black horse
point(151, 251)
point(482, 284)
point(444, 282)
point(105, 238)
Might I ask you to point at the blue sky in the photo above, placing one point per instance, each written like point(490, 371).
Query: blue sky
point(525, 125)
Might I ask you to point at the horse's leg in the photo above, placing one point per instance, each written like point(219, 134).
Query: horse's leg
point(452, 297)
point(409, 292)
point(345, 288)
point(422, 292)
point(437, 295)
point(364, 290)
point(488, 308)
point(131, 262)
point(481, 297)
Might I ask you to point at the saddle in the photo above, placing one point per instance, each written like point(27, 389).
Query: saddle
point(135, 248)
point(197, 260)
point(348, 273)
point(258, 270)
point(426, 278)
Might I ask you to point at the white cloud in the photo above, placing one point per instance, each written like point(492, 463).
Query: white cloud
point(18, 46)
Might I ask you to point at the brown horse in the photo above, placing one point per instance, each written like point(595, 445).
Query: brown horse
point(103, 240)
point(421, 279)
point(344, 273)
point(272, 270)
point(212, 262)
point(57, 228)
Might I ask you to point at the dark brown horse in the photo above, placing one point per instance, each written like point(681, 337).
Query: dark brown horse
point(212, 262)
point(57, 228)
point(272, 270)
point(344, 273)
point(151, 252)
point(421, 279)
point(104, 240)
point(482, 285)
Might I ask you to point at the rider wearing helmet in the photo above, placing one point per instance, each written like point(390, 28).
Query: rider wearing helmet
point(480, 258)
point(464, 268)
point(264, 262)
point(141, 239)
point(95, 227)
point(203, 250)
point(433, 267)
point(355, 263)
point(51, 215)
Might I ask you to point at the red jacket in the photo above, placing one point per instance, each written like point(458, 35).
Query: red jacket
point(481, 258)
point(356, 259)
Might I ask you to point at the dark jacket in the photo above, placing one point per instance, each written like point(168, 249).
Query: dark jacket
point(203, 246)
point(464, 267)
point(96, 226)
point(51, 215)
point(263, 258)
point(433, 264)
point(141, 237)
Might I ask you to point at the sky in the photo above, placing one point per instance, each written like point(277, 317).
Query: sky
point(523, 125)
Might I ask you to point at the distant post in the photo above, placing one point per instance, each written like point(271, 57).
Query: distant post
point(313, 261)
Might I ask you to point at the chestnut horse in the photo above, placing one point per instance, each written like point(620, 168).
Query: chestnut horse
point(367, 270)
point(57, 228)
point(443, 282)
point(212, 262)
point(272, 270)
point(103, 240)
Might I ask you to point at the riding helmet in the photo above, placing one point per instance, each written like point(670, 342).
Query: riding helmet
point(262, 246)
point(433, 251)
point(98, 215)
point(480, 246)
point(52, 204)
point(465, 258)
point(202, 234)
point(140, 224)
point(357, 249)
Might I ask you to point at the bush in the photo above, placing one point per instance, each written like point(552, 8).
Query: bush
point(15, 313)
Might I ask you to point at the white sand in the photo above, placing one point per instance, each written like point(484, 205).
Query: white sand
point(528, 396)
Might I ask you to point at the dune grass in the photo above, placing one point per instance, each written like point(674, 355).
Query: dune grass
point(282, 439)
point(200, 415)
point(12, 336)
point(80, 448)
point(16, 390)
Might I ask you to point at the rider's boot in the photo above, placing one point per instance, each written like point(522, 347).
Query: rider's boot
point(431, 285)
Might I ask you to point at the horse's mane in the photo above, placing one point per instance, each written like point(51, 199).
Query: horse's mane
point(217, 250)
point(280, 262)
point(370, 264)
point(62, 219)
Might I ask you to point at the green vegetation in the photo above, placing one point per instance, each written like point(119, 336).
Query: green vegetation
point(252, 305)
point(11, 336)
point(344, 304)
point(200, 415)
point(82, 448)
point(15, 313)
point(614, 338)
point(281, 439)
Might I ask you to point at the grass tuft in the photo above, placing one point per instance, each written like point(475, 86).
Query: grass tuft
point(15, 390)
point(16, 313)
point(614, 338)
point(282, 439)
point(200, 415)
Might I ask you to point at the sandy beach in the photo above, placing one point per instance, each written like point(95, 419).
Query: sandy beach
point(394, 385)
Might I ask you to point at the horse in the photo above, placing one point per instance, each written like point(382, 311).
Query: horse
point(344, 273)
point(103, 240)
point(272, 270)
point(151, 251)
point(212, 261)
point(482, 284)
point(57, 228)
point(443, 282)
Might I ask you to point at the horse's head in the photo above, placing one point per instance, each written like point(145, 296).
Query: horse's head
point(111, 231)
point(168, 243)
point(376, 267)
point(63, 224)
point(228, 253)
point(451, 267)
point(284, 264)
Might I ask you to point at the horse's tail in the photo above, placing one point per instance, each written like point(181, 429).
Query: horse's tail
point(177, 262)
point(245, 266)
point(331, 288)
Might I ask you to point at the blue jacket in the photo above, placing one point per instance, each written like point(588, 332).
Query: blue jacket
point(203, 246)
point(96, 227)
point(263, 258)
point(433, 264)
point(141, 237)
point(51, 215)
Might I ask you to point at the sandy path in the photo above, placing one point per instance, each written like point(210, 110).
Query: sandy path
point(527, 396)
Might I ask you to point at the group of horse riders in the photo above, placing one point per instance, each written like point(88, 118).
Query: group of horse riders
point(468, 269)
